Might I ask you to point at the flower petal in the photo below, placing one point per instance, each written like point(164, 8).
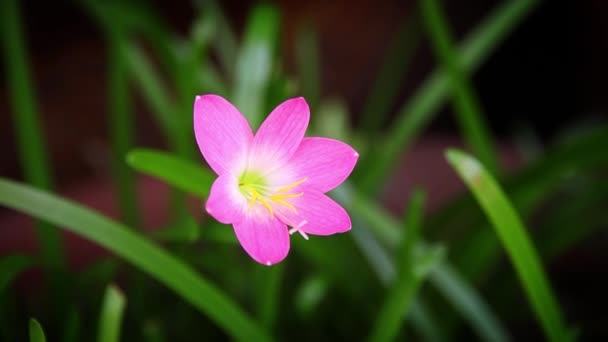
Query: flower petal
point(280, 135)
point(324, 162)
point(225, 203)
point(323, 215)
point(222, 133)
point(265, 240)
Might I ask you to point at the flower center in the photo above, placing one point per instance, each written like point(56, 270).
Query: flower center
point(255, 189)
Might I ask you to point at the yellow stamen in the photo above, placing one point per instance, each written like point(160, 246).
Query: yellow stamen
point(265, 203)
point(282, 196)
point(285, 203)
point(293, 185)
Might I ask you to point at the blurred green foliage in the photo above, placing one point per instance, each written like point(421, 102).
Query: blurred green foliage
point(433, 278)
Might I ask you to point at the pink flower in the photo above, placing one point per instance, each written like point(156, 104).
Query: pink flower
point(273, 180)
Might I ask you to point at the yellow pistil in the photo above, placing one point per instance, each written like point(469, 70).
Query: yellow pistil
point(278, 197)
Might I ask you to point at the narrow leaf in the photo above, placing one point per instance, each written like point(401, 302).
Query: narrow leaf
point(515, 239)
point(149, 258)
point(110, 318)
point(183, 174)
point(28, 131)
point(255, 61)
point(418, 111)
point(466, 104)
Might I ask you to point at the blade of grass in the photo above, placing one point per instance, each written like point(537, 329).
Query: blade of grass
point(36, 332)
point(147, 257)
point(225, 40)
point(11, 266)
point(416, 113)
point(28, 132)
point(269, 290)
point(110, 318)
point(183, 174)
point(465, 102)
point(454, 288)
point(394, 70)
point(467, 302)
point(186, 231)
point(404, 288)
point(309, 65)
point(121, 128)
point(255, 62)
point(513, 235)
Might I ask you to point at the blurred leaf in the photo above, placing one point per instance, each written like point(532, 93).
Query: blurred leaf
point(412, 270)
point(186, 230)
point(332, 120)
point(110, 318)
point(71, 326)
point(153, 90)
point(395, 68)
point(11, 266)
point(468, 303)
point(255, 61)
point(183, 174)
point(466, 104)
point(36, 332)
point(120, 122)
point(268, 289)
point(224, 39)
point(455, 289)
point(526, 189)
point(515, 240)
point(309, 295)
point(416, 113)
point(29, 135)
point(309, 65)
point(144, 255)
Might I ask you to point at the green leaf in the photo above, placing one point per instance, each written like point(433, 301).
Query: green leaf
point(36, 332)
point(183, 174)
point(453, 287)
point(468, 303)
point(11, 266)
point(186, 230)
point(28, 132)
point(418, 111)
point(255, 62)
point(144, 255)
point(515, 239)
point(110, 318)
point(308, 63)
point(224, 40)
point(120, 122)
point(413, 269)
point(466, 104)
point(395, 68)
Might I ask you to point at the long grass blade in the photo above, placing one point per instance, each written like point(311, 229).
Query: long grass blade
point(110, 318)
point(515, 239)
point(465, 102)
point(147, 257)
point(394, 70)
point(255, 62)
point(309, 65)
point(28, 132)
point(121, 127)
point(408, 279)
point(416, 113)
point(454, 288)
